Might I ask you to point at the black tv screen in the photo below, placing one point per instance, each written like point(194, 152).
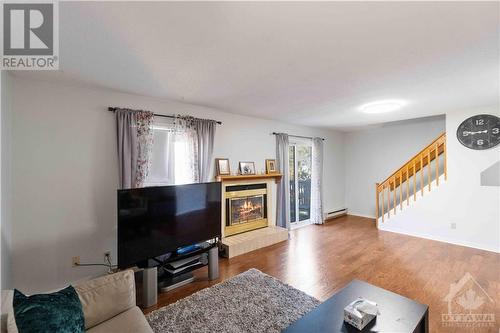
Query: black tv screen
point(153, 221)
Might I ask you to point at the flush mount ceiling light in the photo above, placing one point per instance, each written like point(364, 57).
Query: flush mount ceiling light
point(382, 106)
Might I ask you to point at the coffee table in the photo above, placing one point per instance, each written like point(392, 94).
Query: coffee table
point(397, 313)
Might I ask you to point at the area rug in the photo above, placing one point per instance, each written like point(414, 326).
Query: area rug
point(249, 302)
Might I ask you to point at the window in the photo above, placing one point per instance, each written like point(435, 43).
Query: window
point(300, 169)
point(173, 157)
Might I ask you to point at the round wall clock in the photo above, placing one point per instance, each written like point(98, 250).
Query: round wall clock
point(479, 132)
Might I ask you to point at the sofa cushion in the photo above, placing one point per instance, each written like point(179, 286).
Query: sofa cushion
point(5, 308)
point(105, 297)
point(11, 323)
point(59, 312)
point(130, 321)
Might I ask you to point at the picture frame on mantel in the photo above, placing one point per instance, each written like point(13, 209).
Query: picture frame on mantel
point(246, 168)
point(271, 167)
point(223, 167)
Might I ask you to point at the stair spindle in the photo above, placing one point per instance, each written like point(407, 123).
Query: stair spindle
point(429, 168)
point(437, 164)
point(389, 200)
point(395, 194)
point(407, 185)
point(414, 181)
point(422, 174)
point(401, 191)
point(383, 195)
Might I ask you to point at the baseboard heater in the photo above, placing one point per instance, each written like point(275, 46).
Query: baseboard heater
point(336, 213)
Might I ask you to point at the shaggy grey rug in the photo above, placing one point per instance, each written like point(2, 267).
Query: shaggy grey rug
point(249, 302)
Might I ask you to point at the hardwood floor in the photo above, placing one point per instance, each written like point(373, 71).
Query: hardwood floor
point(320, 260)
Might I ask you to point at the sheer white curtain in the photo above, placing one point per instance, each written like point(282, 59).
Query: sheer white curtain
point(174, 154)
point(162, 171)
point(317, 181)
point(186, 152)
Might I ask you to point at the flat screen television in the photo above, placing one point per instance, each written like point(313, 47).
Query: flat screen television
point(153, 221)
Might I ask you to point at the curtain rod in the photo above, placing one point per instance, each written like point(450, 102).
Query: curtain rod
point(113, 109)
point(299, 136)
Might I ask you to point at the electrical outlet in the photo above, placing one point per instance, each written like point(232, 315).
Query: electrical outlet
point(107, 256)
point(75, 261)
point(453, 225)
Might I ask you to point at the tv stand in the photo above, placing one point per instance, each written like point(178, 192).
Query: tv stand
point(166, 283)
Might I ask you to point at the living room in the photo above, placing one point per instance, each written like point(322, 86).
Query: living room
point(372, 127)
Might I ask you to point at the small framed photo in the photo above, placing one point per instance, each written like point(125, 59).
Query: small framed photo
point(247, 168)
point(223, 168)
point(271, 166)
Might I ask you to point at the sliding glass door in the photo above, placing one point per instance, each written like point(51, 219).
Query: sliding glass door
point(300, 167)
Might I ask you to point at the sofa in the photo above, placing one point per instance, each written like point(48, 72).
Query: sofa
point(108, 304)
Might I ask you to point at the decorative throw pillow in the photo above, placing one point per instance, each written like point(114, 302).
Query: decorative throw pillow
point(59, 312)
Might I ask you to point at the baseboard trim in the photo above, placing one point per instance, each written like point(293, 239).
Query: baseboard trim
point(361, 215)
point(331, 218)
point(437, 239)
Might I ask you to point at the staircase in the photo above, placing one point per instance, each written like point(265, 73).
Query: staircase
point(421, 171)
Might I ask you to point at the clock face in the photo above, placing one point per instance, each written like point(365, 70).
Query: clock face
point(479, 132)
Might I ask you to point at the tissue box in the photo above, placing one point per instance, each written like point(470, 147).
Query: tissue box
point(356, 318)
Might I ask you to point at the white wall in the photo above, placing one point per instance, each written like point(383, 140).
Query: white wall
point(5, 180)
point(65, 172)
point(371, 155)
point(475, 209)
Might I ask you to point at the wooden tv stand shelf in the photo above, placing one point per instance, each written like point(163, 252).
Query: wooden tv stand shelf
point(275, 176)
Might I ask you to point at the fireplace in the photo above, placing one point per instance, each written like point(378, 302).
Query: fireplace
point(246, 208)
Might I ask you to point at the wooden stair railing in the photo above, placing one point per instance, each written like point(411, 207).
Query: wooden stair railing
point(409, 170)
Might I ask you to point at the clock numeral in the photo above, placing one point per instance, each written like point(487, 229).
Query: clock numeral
point(480, 122)
point(480, 142)
point(465, 133)
point(495, 130)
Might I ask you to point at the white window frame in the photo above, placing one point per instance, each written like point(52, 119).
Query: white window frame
point(294, 143)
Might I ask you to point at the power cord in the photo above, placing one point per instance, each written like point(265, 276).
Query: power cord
point(109, 265)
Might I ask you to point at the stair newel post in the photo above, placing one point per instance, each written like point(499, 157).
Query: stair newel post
point(376, 202)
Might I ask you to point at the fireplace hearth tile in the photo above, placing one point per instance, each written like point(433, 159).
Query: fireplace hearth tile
point(235, 245)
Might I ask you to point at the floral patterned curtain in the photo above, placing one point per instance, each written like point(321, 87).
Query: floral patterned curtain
point(186, 144)
point(135, 142)
point(144, 123)
point(317, 181)
point(199, 145)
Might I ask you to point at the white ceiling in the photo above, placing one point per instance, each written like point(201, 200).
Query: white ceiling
point(311, 63)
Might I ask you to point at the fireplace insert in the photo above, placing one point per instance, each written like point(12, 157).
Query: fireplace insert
point(246, 208)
